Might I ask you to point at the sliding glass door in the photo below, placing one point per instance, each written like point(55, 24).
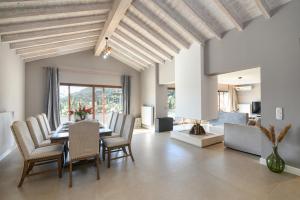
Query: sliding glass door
point(107, 100)
point(103, 100)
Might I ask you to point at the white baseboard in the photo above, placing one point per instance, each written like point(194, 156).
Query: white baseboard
point(288, 169)
point(6, 153)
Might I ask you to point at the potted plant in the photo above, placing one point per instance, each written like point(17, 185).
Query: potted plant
point(274, 162)
point(81, 113)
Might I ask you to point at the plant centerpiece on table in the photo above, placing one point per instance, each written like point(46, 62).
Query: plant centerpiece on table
point(82, 112)
point(274, 162)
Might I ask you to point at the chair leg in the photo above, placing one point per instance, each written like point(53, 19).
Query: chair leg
point(103, 152)
point(24, 173)
point(59, 166)
point(97, 166)
point(124, 150)
point(70, 173)
point(130, 152)
point(100, 144)
point(66, 149)
point(108, 157)
point(30, 166)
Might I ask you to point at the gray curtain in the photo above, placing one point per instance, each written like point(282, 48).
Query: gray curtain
point(52, 97)
point(126, 94)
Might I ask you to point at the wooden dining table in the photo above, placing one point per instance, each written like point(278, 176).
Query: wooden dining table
point(62, 133)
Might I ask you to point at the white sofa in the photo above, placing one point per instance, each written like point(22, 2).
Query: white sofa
point(243, 138)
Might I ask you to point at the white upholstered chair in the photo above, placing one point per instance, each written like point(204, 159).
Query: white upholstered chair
point(113, 121)
point(35, 156)
point(110, 120)
point(47, 123)
point(118, 127)
point(123, 141)
point(83, 144)
point(43, 126)
point(36, 133)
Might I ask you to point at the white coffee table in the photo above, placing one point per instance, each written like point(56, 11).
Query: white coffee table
point(209, 138)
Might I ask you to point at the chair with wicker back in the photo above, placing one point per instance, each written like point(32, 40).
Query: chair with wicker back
point(113, 121)
point(35, 156)
point(83, 144)
point(47, 123)
point(118, 127)
point(36, 133)
point(43, 126)
point(123, 141)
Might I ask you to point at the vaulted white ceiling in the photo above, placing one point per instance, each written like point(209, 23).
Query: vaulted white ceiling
point(141, 32)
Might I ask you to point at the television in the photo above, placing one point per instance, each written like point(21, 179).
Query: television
point(256, 107)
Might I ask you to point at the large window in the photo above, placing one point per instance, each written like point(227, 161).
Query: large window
point(107, 100)
point(171, 102)
point(103, 100)
point(64, 103)
point(223, 101)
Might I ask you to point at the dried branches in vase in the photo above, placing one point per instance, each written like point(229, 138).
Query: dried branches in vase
point(274, 162)
point(270, 133)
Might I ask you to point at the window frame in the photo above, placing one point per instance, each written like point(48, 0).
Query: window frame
point(174, 89)
point(93, 86)
point(221, 92)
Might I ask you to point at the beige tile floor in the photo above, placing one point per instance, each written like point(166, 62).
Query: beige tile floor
point(164, 169)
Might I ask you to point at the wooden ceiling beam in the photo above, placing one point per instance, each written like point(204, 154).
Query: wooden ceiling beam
point(42, 48)
point(152, 34)
point(119, 48)
point(50, 33)
point(56, 53)
point(160, 24)
point(264, 8)
point(57, 50)
point(53, 40)
point(184, 23)
point(133, 43)
point(115, 15)
point(22, 15)
point(52, 10)
point(132, 50)
point(13, 4)
point(50, 24)
point(237, 23)
point(196, 8)
point(126, 61)
point(145, 41)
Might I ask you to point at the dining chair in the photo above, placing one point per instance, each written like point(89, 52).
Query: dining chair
point(35, 156)
point(113, 122)
point(83, 144)
point(47, 123)
point(36, 133)
point(111, 117)
point(123, 141)
point(118, 127)
point(43, 126)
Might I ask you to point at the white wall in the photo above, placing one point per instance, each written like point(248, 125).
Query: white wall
point(12, 95)
point(148, 87)
point(78, 68)
point(167, 72)
point(161, 97)
point(152, 93)
point(249, 96)
point(196, 93)
point(274, 46)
